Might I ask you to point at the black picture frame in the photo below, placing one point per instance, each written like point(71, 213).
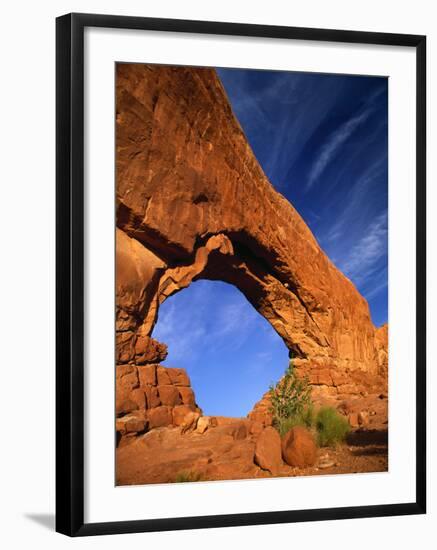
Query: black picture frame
point(70, 273)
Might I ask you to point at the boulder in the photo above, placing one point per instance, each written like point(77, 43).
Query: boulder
point(256, 428)
point(126, 376)
point(348, 406)
point(203, 424)
point(190, 422)
point(180, 413)
point(363, 418)
point(126, 380)
point(268, 450)
point(353, 420)
point(125, 346)
point(169, 395)
point(149, 350)
point(130, 424)
point(126, 439)
point(178, 377)
point(299, 448)
point(261, 412)
point(125, 406)
point(187, 396)
point(160, 416)
point(139, 398)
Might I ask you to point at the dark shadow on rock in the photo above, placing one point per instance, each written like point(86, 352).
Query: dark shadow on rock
point(46, 520)
point(362, 438)
point(371, 451)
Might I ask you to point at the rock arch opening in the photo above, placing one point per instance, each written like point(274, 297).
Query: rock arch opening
point(229, 350)
point(193, 203)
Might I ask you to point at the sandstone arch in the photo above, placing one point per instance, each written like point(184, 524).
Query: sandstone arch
point(193, 202)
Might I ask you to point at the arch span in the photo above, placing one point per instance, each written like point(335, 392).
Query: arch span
point(193, 202)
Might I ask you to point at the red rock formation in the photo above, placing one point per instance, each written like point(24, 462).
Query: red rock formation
point(268, 451)
point(143, 403)
point(193, 202)
point(299, 448)
point(381, 343)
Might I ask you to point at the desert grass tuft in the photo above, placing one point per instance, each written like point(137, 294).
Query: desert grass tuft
point(332, 428)
point(187, 477)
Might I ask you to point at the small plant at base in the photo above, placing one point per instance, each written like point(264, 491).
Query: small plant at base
point(306, 419)
point(187, 477)
point(291, 401)
point(331, 427)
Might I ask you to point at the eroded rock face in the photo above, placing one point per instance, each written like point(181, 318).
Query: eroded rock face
point(193, 202)
point(143, 402)
point(381, 342)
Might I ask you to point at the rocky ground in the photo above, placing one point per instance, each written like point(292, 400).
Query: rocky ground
point(228, 450)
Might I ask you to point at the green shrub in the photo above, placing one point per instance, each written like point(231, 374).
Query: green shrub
point(291, 402)
point(291, 406)
point(187, 477)
point(306, 418)
point(331, 427)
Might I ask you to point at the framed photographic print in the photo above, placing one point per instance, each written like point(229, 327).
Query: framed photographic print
point(240, 274)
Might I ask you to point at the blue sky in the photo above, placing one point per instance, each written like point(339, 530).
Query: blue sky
point(229, 350)
point(322, 142)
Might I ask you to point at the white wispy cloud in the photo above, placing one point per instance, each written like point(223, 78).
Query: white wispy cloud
point(199, 318)
point(173, 329)
point(376, 288)
point(368, 251)
point(235, 317)
point(358, 191)
point(331, 148)
point(280, 89)
point(340, 136)
point(253, 107)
